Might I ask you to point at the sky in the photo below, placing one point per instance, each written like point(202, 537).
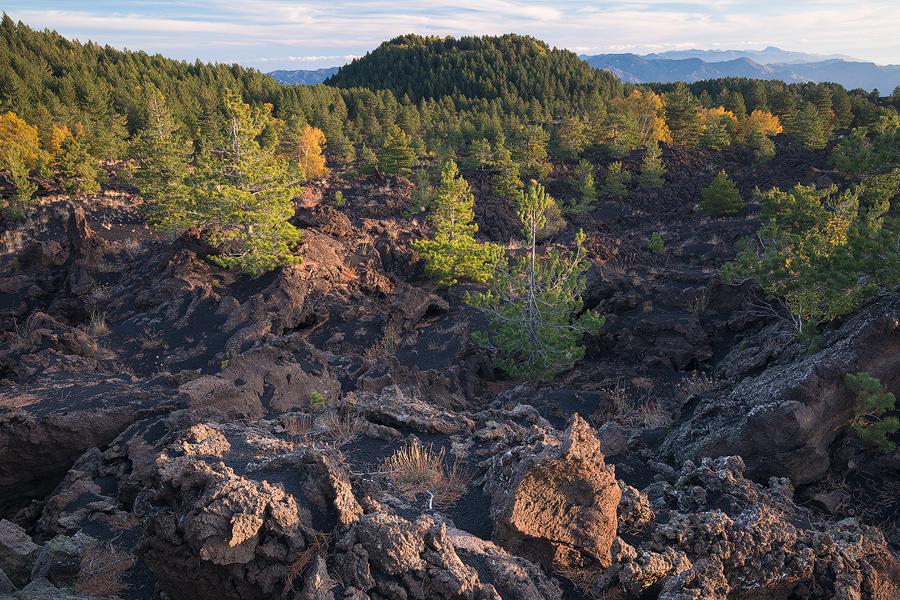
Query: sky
point(274, 35)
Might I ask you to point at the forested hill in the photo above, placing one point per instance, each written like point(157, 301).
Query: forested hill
point(508, 66)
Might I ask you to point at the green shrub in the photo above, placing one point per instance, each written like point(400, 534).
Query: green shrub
point(721, 197)
point(874, 401)
point(339, 199)
point(616, 178)
point(655, 244)
point(316, 401)
point(652, 169)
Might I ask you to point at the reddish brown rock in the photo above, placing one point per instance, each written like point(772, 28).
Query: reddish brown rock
point(556, 504)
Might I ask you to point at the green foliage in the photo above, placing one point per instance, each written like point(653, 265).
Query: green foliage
point(871, 152)
point(623, 131)
point(818, 254)
point(574, 137)
point(165, 157)
point(369, 159)
point(535, 305)
point(506, 182)
point(877, 191)
point(25, 188)
point(454, 254)
point(78, 170)
point(481, 153)
point(616, 179)
point(652, 169)
point(807, 128)
point(655, 244)
point(530, 150)
point(396, 155)
point(316, 401)
point(721, 197)
point(873, 402)
point(683, 116)
point(339, 199)
point(583, 182)
point(241, 196)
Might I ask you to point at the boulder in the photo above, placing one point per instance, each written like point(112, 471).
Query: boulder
point(783, 421)
point(17, 553)
point(555, 502)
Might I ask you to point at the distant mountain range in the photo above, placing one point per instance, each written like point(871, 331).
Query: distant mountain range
point(694, 65)
point(303, 77)
point(771, 63)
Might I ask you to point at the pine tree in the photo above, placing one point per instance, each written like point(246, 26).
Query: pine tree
point(164, 156)
point(873, 402)
point(721, 197)
point(616, 178)
point(454, 254)
point(78, 170)
point(242, 195)
point(807, 128)
point(535, 305)
point(583, 182)
point(396, 155)
point(652, 169)
point(506, 182)
point(683, 116)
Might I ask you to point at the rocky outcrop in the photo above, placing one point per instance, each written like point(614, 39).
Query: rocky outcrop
point(783, 421)
point(395, 408)
point(262, 383)
point(555, 502)
point(38, 447)
point(727, 538)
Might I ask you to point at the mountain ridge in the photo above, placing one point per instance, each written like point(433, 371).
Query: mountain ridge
point(633, 68)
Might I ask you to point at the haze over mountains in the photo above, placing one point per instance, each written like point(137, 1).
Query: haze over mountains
point(695, 65)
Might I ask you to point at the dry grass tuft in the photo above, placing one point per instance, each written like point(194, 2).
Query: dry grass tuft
point(696, 384)
point(650, 416)
point(102, 570)
point(97, 325)
point(583, 579)
point(419, 470)
point(319, 546)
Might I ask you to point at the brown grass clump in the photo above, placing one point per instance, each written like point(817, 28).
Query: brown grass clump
point(697, 384)
point(418, 470)
point(102, 570)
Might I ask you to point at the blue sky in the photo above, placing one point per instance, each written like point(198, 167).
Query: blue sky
point(280, 34)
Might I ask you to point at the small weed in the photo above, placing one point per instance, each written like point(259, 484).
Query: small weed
point(102, 293)
point(339, 199)
point(648, 306)
point(655, 244)
point(150, 340)
point(227, 360)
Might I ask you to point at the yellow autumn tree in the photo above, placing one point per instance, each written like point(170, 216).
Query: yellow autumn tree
point(648, 113)
point(759, 123)
point(19, 140)
point(308, 152)
point(20, 151)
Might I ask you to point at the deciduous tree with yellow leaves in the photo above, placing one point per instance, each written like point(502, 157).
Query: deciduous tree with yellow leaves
point(20, 152)
point(308, 154)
